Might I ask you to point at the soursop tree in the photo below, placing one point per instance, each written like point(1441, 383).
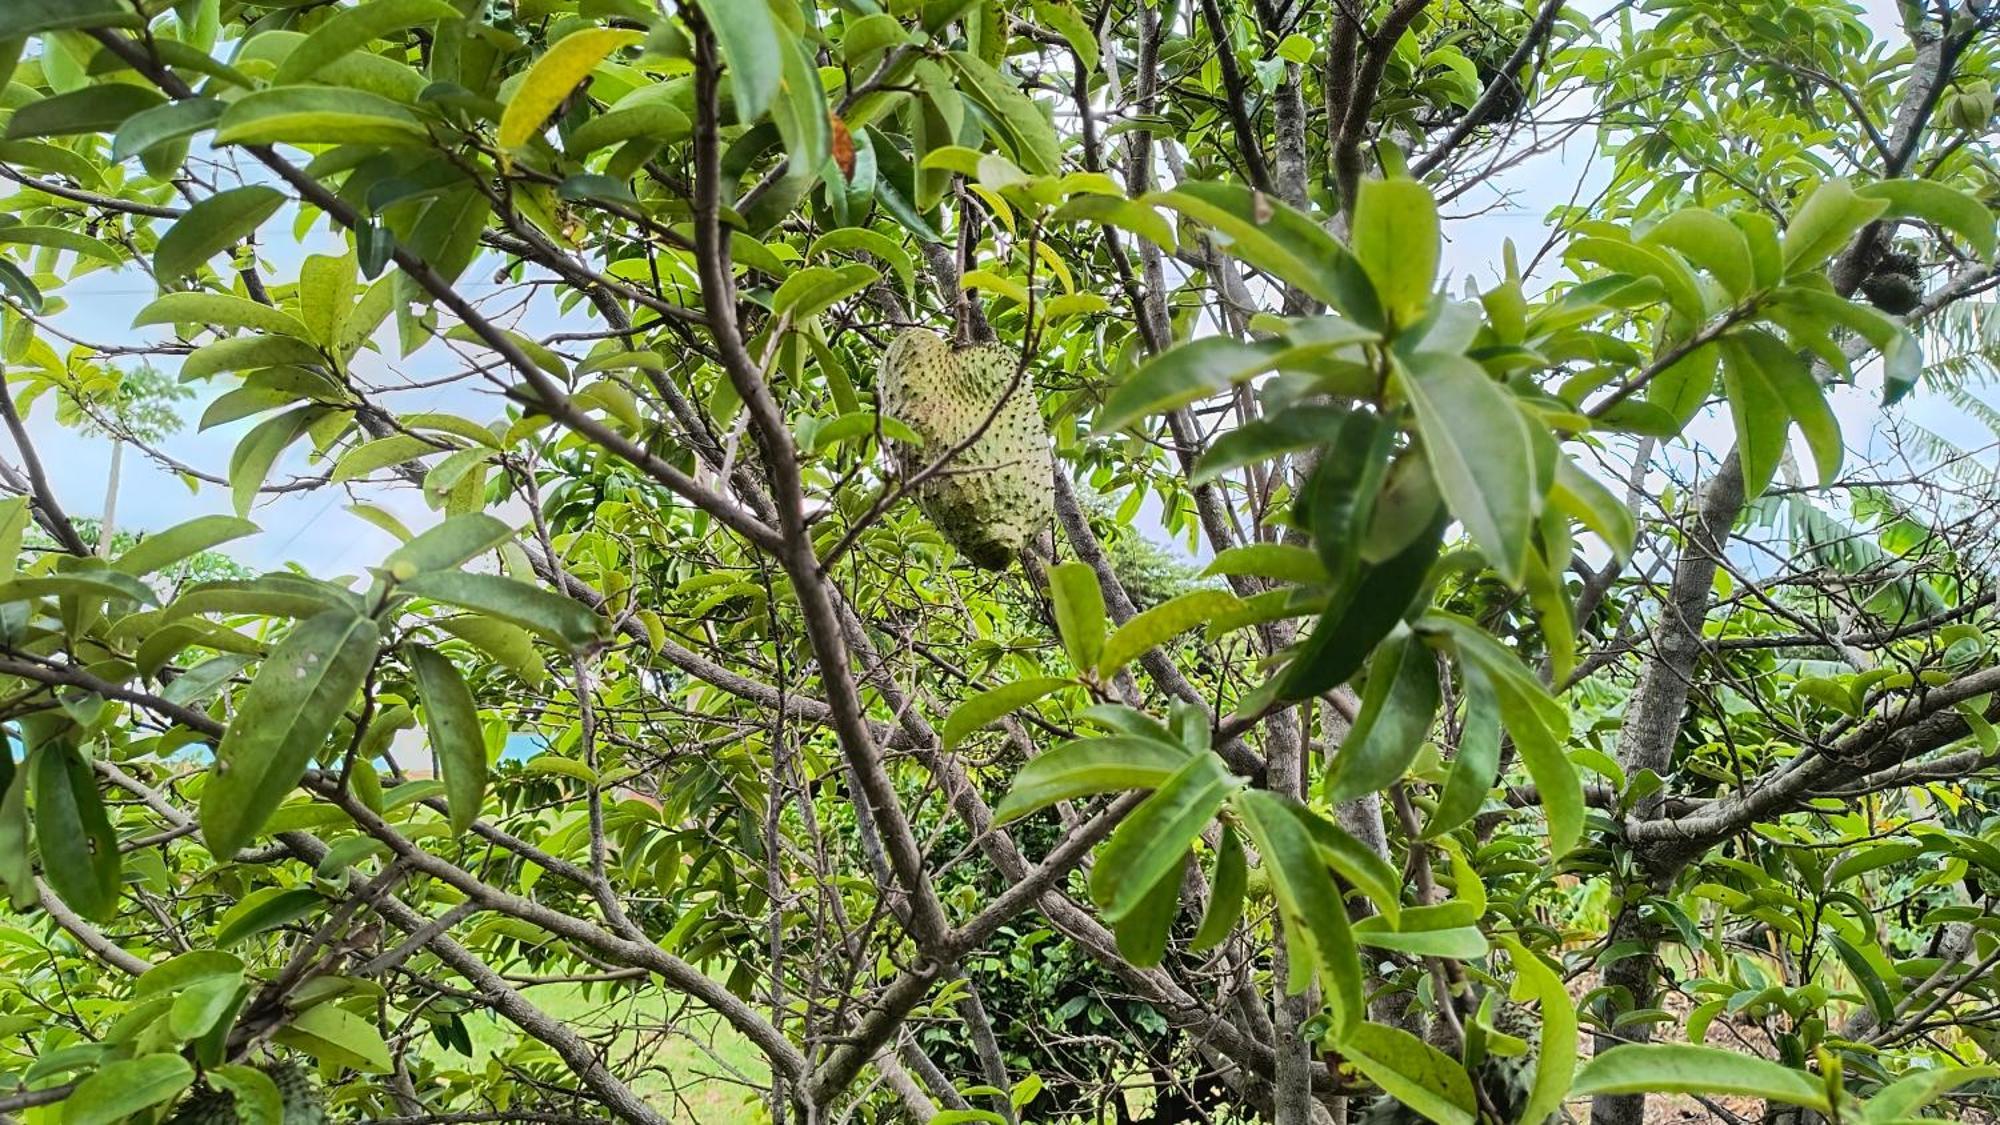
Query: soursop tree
point(689, 658)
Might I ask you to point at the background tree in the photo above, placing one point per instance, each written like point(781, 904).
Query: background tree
point(1535, 681)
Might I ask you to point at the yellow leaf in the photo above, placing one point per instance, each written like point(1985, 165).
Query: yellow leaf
point(553, 76)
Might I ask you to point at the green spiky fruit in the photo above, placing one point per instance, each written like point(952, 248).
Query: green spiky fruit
point(1893, 293)
point(302, 1101)
point(993, 497)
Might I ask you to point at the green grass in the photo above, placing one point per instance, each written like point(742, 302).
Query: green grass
point(685, 1071)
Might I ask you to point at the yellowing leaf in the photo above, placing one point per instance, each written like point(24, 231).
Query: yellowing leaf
point(553, 76)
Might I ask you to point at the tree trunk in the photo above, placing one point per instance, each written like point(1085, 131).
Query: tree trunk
point(109, 524)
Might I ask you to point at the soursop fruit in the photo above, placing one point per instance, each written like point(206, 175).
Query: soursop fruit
point(997, 494)
point(302, 1100)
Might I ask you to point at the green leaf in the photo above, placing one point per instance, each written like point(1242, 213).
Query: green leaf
point(1537, 721)
point(1226, 885)
point(1902, 1098)
point(1162, 623)
point(563, 621)
point(451, 719)
point(60, 238)
point(1555, 1058)
point(246, 353)
point(1355, 862)
point(457, 540)
point(870, 242)
point(1396, 239)
point(1790, 379)
point(1481, 452)
point(199, 1006)
point(1301, 427)
point(1283, 562)
point(1183, 374)
point(266, 909)
point(753, 49)
point(318, 115)
point(1360, 615)
point(1142, 933)
point(1462, 943)
point(352, 28)
point(1089, 766)
point(1413, 1072)
point(257, 1099)
point(1079, 611)
point(332, 1034)
point(1825, 222)
point(108, 584)
point(250, 463)
point(1682, 291)
point(1154, 840)
point(211, 226)
point(1397, 706)
point(1683, 1068)
point(163, 549)
point(1477, 762)
point(800, 112)
point(1711, 242)
point(990, 705)
point(1317, 936)
point(78, 845)
point(381, 453)
point(652, 120)
point(19, 18)
point(1337, 501)
point(284, 719)
point(1937, 203)
point(122, 1089)
point(220, 310)
point(1271, 236)
point(148, 129)
point(93, 109)
point(1585, 499)
point(812, 290)
point(1028, 133)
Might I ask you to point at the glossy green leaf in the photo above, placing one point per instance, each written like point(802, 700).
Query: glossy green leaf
point(561, 620)
point(1396, 239)
point(1683, 1068)
point(220, 310)
point(989, 705)
point(1079, 612)
point(1555, 1057)
point(1711, 242)
point(1397, 706)
point(753, 48)
point(1825, 222)
point(456, 541)
point(318, 115)
point(1480, 452)
point(30, 17)
point(92, 109)
point(333, 1034)
point(1089, 766)
point(212, 226)
point(1413, 1072)
point(1476, 764)
point(1939, 204)
point(1161, 624)
point(266, 909)
point(122, 1089)
point(1227, 882)
point(284, 719)
point(164, 124)
point(79, 848)
point(162, 549)
point(451, 719)
point(1318, 940)
point(1154, 839)
point(349, 29)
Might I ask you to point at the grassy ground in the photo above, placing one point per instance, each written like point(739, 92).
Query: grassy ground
point(685, 1071)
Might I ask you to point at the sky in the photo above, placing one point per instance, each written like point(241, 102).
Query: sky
point(315, 530)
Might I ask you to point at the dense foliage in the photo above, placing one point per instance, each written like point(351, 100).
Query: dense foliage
point(1545, 729)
